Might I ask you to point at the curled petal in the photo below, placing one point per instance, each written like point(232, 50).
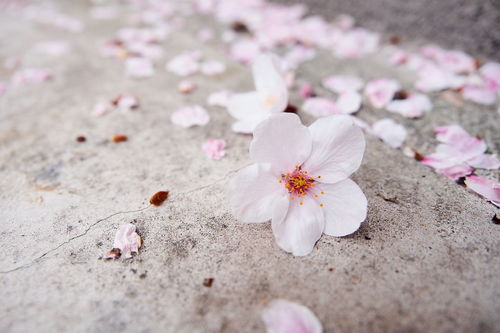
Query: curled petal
point(256, 196)
point(338, 148)
point(283, 316)
point(270, 82)
point(485, 188)
point(345, 207)
point(282, 141)
point(301, 228)
point(381, 91)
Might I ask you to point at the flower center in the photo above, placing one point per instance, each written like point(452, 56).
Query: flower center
point(270, 100)
point(298, 183)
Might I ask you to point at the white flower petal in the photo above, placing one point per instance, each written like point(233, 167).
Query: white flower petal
point(282, 141)
point(348, 102)
point(270, 82)
point(245, 105)
point(338, 148)
point(390, 132)
point(342, 83)
point(283, 316)
point(254, 193)
point(301, 228)
point(345, 207)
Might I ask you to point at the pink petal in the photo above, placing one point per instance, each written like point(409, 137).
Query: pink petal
point(100, 109)
point(390, 132)
point(53, 48)
point(399, 57)
point(214, 148)
point(245, 51)
point(337, 150)
point(139, 67)
point(485, 161)
point(348, 102)
point(206, 34)
point(219, 98)
point(320, 107)
point(480, 95)
point(298, 55)
point(433, 78)
point(127, 240)
point(282, 316)
point(491, 73)
point(270, 82)
point(31, 75)
point(460, 142)
point(255, 195)
point(455, 172)
point(301, 228)
point(381, 91)
point(185, 64)
point(342, 83)
point(414, 106)
point(213, 67)
point(306, 90)
point(127, 103)
point(345, 22)
point(186, 87)
point(282, 141)
point(345, 207)
point(356, 43)
point(485, 188)
point(190, 116)
point(108, 12)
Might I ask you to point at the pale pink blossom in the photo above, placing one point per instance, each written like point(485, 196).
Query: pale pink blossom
point(452, 61)
point(491, 73)
point(185, 64)
point(342, 83)
point(186, 87)
point(433, 78)
point(297, 55)
point(390, 132)
point(190, 116)
point(381, 91)
point(346, 103)
point(270, 95)
point(108, 12)
point(414, 106)
point(151, 51)
point(213, 67)
point(300, 180)
point(345, 22)
point(127, 103)
point(245, 50)
point(214, 148)
point(485, 188)
point(282, 316)
point(127, 241)
point(480, 95)
point(206, 34)
point(356, 43)
point(138, 67)
point(306, 90)
point(219, 98)
point(459, 150)
point(101, 108)
point(31, 75)
point(399, 57)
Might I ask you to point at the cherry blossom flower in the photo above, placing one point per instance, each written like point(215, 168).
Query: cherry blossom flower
point(214, 148)
point(219, 98)
point(31, 75)
point(190, 116)
point(381, 91)
point(300, 180)
point(185, 64)
point(282, 316)
point(491, 73)
point(270, 96)
point(213, 67)
point(457, 152)
point(485, 188)
point(390, 132)
point(138, 67)
point(342, 83)
point(127, 241)
point(480, 95)
point(356, 43)
point(414, 106)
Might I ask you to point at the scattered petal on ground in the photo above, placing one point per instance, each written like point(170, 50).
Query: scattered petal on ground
point(185, 64)
point(139, 67)
point(190, 116)
point(214, 148)
point(213, 67)
point(283, 316)
point(414, 106)
point(342, 83)
point(390, 132)
point(381, 91)
point(484, 187)
point(127, 241)
point(219, 98)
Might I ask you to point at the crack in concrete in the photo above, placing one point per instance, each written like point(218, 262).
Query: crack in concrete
point(43, 255)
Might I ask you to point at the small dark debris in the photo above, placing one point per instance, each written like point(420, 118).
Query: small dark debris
point(119, 138)
point(240, 27)
point(291, 108)
point(133, 270)
point(496, 218)
point(368, 238)
point(461, 181)
point(116, 100)
point(331, 269)
point(390, 199)
point(99, 244)
point(113, 254)
point(418, 157)
point(394, 40)
point(158, 198)
point(81, 138)
point(208, 282)
point(143, 275)
point(400, 94)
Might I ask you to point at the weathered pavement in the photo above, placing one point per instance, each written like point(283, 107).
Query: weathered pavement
point(424, 261)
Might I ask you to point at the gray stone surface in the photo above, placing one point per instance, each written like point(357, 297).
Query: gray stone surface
point(427, 262)
point(471, 26)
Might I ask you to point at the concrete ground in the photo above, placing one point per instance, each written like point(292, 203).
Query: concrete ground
point(424, 261)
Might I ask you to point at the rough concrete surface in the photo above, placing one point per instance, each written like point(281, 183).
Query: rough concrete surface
point(426, 261)
point(471, 26)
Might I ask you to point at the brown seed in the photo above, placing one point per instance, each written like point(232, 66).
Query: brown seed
point(81, 138)
point(394, 40)
point(115, 100)
point(401, 94)
point(158, 198)
point(240, 27)
point(208, 282)
point(119, 138)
